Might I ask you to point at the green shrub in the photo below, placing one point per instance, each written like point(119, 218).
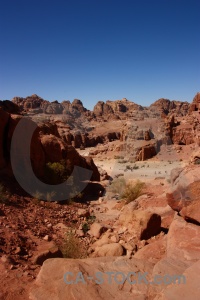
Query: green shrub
point(133, 191)
point(56, 172)
point(85, 227)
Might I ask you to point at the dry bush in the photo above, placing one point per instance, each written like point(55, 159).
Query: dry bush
point(118, 186)
point(72, 247)
point(133, 191)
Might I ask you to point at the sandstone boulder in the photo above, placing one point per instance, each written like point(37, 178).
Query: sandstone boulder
point(144, 224)
point(189, 288)
point(183, 241)
point(96, 229)
point(51, 282)
point(111, 249)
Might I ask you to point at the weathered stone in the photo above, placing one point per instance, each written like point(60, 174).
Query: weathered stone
point(112, 249)
point(51, 282)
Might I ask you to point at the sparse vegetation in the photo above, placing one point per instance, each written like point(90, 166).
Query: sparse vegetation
point(122, 161)
point(197, 162)
point(118, 185)
point(128, 167)
point(3, 194)
point(56, 172)
point(38, 195)
point(72, 246)
point(85, 227)
point(50, 196)
point(135, 167)
point(133, 191)
point(127, 191)
point(118, 157)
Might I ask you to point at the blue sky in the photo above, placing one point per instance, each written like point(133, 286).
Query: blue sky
point(100, 50)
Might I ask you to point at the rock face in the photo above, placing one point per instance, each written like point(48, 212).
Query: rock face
point(46, 146)
point(36, 104)
point(144, 223)
point(30, 102)
point(10, 107)
point(165, 106)
point(195, 105)
point(184, 291)
point(184, 194)
point(111, 249)
point(52, 280)
point(146, 152)
point(183, 241)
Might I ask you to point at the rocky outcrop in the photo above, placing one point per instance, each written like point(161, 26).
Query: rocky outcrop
point(146, 152)
point(195, 105)
point(46, 146)
point(183, 241)
point(165, 106)
point(9, 107)
point(183, 195)
point(117, 109)
point(52, 281)
point(144, 223)
point(30, 102)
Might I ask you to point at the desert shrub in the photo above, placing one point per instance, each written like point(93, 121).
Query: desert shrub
point(131, 161)
point(123, 161)
point(118, 157)
point(197, 162)
point(85, 227)
point(135, 167)
point(133, 191)
point(50, 196)
point(72, 246)
point(3, 194)
point(59, 172)
point(128, 167)
point(38, 195)
point(89, 220)
point(118, 185)
point(56, 172)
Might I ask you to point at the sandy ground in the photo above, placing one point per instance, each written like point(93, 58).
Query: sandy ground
point(158, 167)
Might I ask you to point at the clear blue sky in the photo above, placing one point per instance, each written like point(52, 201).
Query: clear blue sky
point(98, 50)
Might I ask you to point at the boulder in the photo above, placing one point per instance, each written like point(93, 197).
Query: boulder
point(111, 249)
point(96, 229)
point(53, 281)
point(144, 224)
point(183, 241)
point(154, 251)
point(187, 288)
point(183, 195)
